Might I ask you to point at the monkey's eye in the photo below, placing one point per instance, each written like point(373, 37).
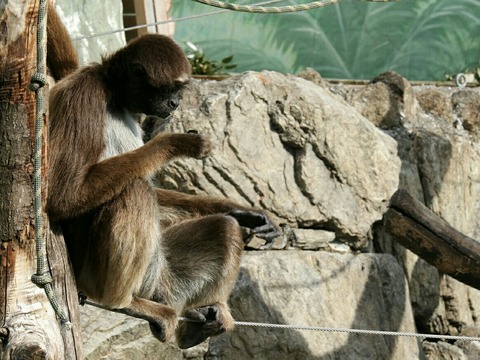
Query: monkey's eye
point(181, 84)
point(139, 71)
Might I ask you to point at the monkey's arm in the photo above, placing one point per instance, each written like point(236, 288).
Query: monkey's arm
point(248, 217)
point(101, 182)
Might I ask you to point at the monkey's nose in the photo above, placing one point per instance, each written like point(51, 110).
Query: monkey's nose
point(173, 103)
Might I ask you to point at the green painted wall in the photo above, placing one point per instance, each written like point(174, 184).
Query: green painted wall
point(420, 39)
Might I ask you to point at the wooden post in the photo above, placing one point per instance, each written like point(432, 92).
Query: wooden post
point(151, 11)
point(29, 328)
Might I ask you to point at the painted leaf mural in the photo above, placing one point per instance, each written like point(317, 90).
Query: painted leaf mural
point(420, 39)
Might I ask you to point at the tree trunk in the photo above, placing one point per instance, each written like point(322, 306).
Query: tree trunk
point(30, 329)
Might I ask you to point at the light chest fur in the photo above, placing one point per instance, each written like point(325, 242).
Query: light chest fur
point(121, 134)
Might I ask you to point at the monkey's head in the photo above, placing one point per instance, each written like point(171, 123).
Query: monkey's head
point(147, 75)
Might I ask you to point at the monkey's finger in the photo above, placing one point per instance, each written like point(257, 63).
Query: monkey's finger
point(266, 230)
point(269, 238)
point(248, 218)
point(268, 245)
point(213, 328)
point(195, 315)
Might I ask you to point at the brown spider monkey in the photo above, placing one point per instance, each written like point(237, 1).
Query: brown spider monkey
point(154, 253)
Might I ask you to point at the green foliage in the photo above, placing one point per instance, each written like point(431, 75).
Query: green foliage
point(203, 66)
point(420, 39)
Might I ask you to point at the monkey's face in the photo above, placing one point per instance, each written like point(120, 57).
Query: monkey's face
point(147, 75)
point(153, 100)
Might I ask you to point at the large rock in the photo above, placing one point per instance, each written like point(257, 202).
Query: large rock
point(291, 147)
point(287, 287)
point(108, 335)
point(438, 145)
point(312, 154)
point(299, 288)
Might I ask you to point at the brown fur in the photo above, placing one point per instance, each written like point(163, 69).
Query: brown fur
point(61, 55)
point(112, 216)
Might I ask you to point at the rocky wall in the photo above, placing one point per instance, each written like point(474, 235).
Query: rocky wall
point(324, 160)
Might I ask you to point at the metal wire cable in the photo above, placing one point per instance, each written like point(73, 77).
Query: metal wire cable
point(42, 277)
point(84, 301)
point(355, 331)
point(191, 17)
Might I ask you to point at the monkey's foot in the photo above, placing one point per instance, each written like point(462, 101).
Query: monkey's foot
point(161, 330)
point(206, 321)
point(162, 319)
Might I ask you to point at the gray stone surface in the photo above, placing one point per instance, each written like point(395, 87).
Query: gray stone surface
point(311, 239)
point(286, 287)
point(439, 148)
point(291, 147)
point(319, 289)
point(311, 156)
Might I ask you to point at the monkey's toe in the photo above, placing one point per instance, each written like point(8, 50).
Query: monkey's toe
point(214, 328)
point(191, 333)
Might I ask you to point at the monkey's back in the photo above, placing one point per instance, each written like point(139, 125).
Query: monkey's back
point(123, 234)
point(112, 245)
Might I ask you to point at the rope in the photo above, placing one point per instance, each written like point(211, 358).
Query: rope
point(42, 278)
point(83, 301)
point(226, 8)
point(163, 22)
point(273, 10)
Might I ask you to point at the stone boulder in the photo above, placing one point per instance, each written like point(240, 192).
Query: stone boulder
point(291, 147)
point(440, 153)
point(324, 159)
point(286, 287)
point(299, 288)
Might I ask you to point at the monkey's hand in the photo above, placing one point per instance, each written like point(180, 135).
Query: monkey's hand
point(171, 145)
point(260, 224)
point(198, 146)
point(163, 328)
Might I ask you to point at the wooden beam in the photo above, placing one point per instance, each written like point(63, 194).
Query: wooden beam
point(417, 228)
point(29, 329)
point(152, 11)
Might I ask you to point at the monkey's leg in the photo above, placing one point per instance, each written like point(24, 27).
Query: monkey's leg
point(204, 258)
point(162, 318)
point(248, 217)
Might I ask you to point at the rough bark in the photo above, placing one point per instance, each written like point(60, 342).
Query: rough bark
point(417, 228)
point(29, 329)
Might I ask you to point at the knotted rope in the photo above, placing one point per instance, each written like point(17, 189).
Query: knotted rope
point(42, 277)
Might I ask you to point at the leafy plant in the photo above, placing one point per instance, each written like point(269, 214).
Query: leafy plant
point(203, 66)
point(420, 39)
